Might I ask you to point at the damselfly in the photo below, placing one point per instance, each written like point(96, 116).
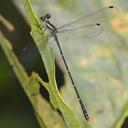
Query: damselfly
point(86, 26)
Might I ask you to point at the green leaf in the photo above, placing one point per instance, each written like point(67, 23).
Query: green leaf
point(48, 58)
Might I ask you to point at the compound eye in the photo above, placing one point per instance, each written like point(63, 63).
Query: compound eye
point(42, 18)
point(48, 16)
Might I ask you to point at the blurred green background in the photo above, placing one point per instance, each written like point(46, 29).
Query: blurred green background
point(110, 76)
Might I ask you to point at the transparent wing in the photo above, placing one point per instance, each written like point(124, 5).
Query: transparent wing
point(89, 22)
point(87, 26)
point(86, 31)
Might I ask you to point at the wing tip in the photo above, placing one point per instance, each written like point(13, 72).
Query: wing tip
point(111, 6)
point(98, 24)
point(114, 7)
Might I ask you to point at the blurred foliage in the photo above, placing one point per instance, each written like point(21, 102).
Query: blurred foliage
point(99, 66)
